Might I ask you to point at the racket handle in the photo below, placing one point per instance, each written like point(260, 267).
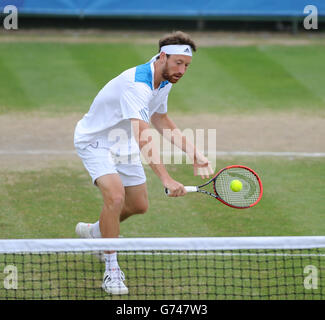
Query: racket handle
point(191, 189)
point(187, 188)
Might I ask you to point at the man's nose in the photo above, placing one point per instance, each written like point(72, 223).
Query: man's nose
point(182, 69)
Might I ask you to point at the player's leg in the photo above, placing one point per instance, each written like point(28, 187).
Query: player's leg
point(133, 200)
point(136, 201)
point(113, 194)
point(115, 207)
point(102, 169)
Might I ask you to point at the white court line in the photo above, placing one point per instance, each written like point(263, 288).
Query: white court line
point(100, 256)
point(164, 153)
point(36, 152)
point(273, 154)
point(222, 254)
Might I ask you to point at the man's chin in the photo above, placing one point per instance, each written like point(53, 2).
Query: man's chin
point(173, 80)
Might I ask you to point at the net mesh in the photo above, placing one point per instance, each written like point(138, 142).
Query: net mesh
point(166, 274)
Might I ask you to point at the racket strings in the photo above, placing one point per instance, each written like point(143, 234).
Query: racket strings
point(249, 193)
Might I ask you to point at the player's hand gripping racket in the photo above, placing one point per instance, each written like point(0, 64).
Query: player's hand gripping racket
point(249, 193)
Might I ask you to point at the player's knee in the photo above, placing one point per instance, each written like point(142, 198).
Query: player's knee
point(142, 208)
point(118, 200)
point(115, 200)
point(138, 207)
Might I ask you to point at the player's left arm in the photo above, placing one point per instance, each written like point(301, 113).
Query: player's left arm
point(168, 129)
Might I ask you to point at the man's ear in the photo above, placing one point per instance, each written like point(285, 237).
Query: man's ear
point(163, 57)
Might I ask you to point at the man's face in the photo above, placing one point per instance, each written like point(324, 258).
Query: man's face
point(175, 67)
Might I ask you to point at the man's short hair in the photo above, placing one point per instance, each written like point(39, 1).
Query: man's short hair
point(177, 37)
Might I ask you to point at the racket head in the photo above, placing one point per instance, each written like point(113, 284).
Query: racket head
point(251, 192)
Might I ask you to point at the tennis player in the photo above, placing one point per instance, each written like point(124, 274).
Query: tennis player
point(111, 135)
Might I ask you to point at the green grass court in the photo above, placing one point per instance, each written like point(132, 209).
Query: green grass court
point(63, 77)
point(48, 204)
point(53, 79)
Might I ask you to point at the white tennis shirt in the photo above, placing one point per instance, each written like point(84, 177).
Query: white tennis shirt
point(129, 95)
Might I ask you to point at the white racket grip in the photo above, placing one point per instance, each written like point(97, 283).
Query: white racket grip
point(191, 188)
point(187, 188)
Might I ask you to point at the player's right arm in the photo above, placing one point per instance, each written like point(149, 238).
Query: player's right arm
point(134, 102)
point(142, 135)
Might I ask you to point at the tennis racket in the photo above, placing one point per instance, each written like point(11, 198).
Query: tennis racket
point(247, 197)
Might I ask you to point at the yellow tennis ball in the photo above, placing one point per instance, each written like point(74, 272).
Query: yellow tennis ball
point(236, 185)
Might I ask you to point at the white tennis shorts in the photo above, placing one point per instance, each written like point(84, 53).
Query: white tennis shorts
point(100, 161)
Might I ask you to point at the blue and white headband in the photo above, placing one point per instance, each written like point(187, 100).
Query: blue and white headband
point(182, 49)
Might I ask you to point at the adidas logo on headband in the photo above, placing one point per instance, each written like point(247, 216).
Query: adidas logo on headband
point(187, 50)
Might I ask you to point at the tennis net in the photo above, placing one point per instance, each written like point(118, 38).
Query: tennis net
point(166, 268)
